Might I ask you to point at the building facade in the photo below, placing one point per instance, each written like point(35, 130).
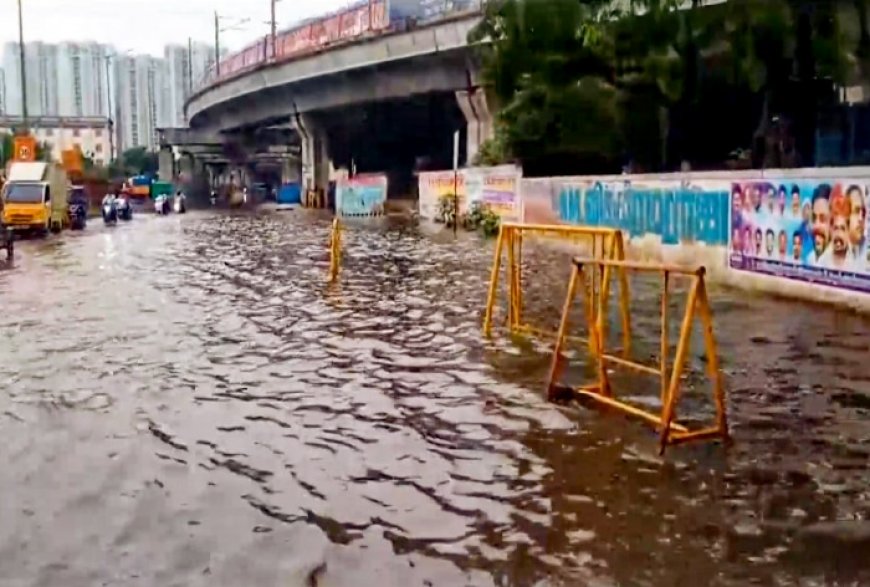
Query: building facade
point(89, 133)
point(186, 65)
point(73, 80)
point(143, 100)
point(2, 92)
point(84, 79)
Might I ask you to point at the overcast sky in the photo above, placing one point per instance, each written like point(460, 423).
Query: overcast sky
point(145, 26)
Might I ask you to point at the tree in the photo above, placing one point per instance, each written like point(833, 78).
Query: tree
point(6, 149)
point(139, 160)
point(648, 81)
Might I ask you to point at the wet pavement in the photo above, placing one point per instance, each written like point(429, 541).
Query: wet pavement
point(185, 401)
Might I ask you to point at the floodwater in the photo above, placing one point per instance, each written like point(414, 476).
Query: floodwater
point(185, 401)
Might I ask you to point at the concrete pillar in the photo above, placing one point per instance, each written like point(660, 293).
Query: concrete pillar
point(477, 117)
point(290, 172)
point(166, 164)
point(185, 168)
point(314, 159)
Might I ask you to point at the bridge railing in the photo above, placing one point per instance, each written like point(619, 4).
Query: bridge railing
point(365, 19)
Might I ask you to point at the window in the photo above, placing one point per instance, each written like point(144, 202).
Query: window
point(77, 133)
point(99, 148)
point(49, 132)
point(98, 133)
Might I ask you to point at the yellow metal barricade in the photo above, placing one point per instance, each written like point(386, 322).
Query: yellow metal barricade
point(604, 243)
point(334, 250)
point(601, 392)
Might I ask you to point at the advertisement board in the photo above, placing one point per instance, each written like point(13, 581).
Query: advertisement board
point(495, 187)
point(809, 230)
point(362, 195)
point(433, 185)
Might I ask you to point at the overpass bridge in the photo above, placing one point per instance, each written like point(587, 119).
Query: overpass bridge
point(378, 101)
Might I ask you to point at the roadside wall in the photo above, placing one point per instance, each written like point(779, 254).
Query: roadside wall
point(797, 233)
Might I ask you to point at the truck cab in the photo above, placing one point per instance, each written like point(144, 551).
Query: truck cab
point(34, 197)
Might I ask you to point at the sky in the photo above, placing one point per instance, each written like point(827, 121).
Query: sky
point(145, 26)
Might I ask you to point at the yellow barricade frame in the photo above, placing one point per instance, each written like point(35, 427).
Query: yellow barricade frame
point(510, 238)
point(334, 250)
point(698, 305)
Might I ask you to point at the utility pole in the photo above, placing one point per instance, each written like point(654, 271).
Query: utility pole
point(189, 66)
point(23, 67)
point(217, 43)
point(274, 27)
point(109, 112)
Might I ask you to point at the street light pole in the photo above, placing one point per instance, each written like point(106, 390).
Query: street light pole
point(23, 66)
point(109, 112)
point(217, 44)
point(274, 27)
point(189, 66)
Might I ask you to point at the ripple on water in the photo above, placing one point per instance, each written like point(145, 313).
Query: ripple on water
point(188, 402)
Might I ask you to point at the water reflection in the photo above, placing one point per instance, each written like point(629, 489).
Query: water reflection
point(186, 401)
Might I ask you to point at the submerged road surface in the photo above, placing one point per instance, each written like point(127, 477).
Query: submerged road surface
point(184, 401)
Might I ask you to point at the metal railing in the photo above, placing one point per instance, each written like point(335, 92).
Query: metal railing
point(331, 31)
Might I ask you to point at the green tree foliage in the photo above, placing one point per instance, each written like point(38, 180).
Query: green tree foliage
point(6, 146)
point(139, 160)
point(588, 85)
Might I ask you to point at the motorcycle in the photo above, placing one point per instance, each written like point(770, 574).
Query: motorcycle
point(78, 216)
point(110, 212)
point(124, 208)
point(179, 205)
point(161, 205)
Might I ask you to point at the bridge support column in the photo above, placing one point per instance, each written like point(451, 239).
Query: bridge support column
point(166, 164)
point(478, 119)
point(315, 154)
point(290, 172)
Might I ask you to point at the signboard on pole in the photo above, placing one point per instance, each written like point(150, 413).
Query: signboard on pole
point(24, 148)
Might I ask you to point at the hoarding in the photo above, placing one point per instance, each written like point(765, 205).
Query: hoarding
point(497, 188)
point(362, 195)
point(809, 230)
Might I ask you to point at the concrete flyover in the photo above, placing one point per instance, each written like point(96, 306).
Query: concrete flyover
point(435, 58)
point(307, 92)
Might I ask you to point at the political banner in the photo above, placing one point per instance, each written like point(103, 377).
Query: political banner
point(809, 230)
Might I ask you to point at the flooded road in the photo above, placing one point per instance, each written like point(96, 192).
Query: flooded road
point(186, 402)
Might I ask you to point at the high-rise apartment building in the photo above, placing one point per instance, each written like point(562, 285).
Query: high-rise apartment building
point(186, 65)
point(83, 79)
point(2, 92)
point(41, 62)
point(143, 100)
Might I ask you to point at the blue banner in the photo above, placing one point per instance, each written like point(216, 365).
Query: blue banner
point(364, 195)
point(677, 212)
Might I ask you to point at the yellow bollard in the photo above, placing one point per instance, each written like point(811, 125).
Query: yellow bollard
point(697, 306)
point(334, 250)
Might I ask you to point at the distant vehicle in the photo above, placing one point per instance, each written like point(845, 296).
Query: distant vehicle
point(162, 205)
point(179, 203)
point(78, 208)
point(35, 197)
point(124, 208)
point(110, 210)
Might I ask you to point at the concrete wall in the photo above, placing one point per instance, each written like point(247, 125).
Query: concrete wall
point(694, 219)
point(688, 218)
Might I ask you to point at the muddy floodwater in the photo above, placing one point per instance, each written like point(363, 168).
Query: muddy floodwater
point(185, 401)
